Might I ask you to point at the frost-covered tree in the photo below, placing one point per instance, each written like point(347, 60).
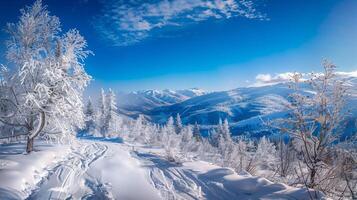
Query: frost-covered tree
point(102, 110)
point(196, 133)
point(286, 157)
point(89, 113)
point(137, 131)
point(224, 137)
point(170, 125)
point(171, 140)
point(47, 76)
point(213, 137)
point(111, 119)
point(188, 143)
point(315, 121)
point(178, 124)
point(187, 135)
point(225, 130)
point(247, 161)
point(266, 154)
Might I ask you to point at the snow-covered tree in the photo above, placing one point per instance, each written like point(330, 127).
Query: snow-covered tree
point(171, 140)
point(266, 154)
point(224, 137)
point(137, 131)
point(178, 124)
point(170, 125)
point(89, 113)
point(286, 157)
point(188, 143)
point(111, 119)
point(196, 133)
point(225, 130)
point(48, 78)
point(102, 110)
point(247, 161)
point(315, 121)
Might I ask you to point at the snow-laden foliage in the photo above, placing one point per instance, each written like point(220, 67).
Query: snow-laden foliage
point(47, 76)
point(102, 119)
point(314, 124)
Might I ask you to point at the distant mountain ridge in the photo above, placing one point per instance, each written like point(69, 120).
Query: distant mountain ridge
point(139, 102)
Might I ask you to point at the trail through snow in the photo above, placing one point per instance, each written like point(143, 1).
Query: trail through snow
point(201, 180)
point(69, 179)
point(97, 170)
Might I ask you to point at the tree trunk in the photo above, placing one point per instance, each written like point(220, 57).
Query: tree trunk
point(34, 133)
point(312, 178)
point(29, 146)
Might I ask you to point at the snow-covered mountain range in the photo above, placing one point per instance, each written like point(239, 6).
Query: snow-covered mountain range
point(245, 108)
point(139, 102)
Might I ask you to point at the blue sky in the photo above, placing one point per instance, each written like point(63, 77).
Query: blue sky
point(210, 44)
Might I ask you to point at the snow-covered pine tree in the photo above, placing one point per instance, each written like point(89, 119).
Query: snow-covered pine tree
point(170, 140)
point(224, 137)
point(187, 135)
point(178, 124)
point(225, 130)
point(196, 133)
point(89, 113)
point(170, 125)
point(213, 137)
point(101, 115)
point(111, 119)
point(266, 154)
point(138, 128)
point(48, 77)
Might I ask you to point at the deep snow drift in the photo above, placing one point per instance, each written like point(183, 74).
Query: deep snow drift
point(93, 169)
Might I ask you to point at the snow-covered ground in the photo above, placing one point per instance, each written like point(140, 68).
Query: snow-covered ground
point(93, 169)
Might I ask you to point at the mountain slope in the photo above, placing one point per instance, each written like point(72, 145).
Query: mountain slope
point(235, 105)
point(141, 101)
point(245, 108)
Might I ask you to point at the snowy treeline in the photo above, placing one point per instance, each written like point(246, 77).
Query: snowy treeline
point(101, 118)
point(41, 89)
point(277, 160)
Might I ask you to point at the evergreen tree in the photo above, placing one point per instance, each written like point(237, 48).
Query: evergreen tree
point(178, 124)
point(89, 113)
point(225, 130)
point(196, 133)
point(101, 112)
point(111, 120)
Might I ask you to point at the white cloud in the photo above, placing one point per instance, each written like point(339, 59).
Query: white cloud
point(348, 74)
point(268, 79)
point(127, 22)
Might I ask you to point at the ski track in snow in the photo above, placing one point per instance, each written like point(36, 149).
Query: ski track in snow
point(105, 170)
point(191, 181)
point(174, 182)
point(69, 180)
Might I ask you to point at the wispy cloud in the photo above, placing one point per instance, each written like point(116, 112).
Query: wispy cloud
point(126, 22)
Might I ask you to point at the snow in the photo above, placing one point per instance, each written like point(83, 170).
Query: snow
point(94, 169)
point(202, 180)
point(20, 173)
point(122, 174)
